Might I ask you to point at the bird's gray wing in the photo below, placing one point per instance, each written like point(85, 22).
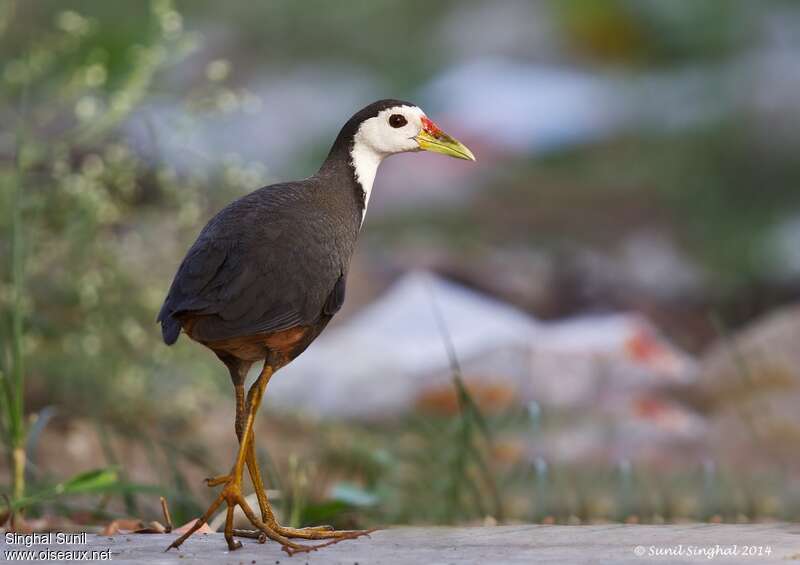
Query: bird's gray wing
point(267, 262)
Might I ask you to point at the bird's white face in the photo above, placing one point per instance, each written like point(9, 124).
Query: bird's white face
point(398, 130)
point(406, 128)
point(393, 130)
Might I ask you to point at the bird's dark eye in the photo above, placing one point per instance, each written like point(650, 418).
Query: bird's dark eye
point(397, 120)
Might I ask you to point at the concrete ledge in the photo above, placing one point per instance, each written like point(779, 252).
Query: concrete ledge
point(688, 543)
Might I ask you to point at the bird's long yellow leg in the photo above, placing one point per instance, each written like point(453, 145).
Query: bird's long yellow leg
point(267, 515)
point(232, 491)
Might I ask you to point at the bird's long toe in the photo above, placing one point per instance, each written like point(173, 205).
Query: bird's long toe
point(321, 532)
point(218, 480)
point(198, 523)
point(287, 532)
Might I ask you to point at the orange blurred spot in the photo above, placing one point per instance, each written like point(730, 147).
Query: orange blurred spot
point(650, 408)
point(490, 397)
point(643, 346)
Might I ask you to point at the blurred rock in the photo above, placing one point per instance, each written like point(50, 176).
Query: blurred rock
point(768, 343)
point(750, 385)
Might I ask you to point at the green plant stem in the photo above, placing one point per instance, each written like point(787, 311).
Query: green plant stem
point(469, 414)
point(15, 390)
point(298, 492)
point(6, 416)
point(18, 457)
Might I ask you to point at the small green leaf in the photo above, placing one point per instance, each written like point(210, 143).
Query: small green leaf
point(324, 512)
point(90, 481)
point(97, 481)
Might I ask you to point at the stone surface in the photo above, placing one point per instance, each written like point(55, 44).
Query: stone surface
point(779, 543)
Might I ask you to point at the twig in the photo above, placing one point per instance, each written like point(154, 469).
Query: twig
point(167, 517)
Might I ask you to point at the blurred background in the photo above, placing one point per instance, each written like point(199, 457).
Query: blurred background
point(597, 321)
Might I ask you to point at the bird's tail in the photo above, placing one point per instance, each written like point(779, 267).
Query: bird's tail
point(170, 329)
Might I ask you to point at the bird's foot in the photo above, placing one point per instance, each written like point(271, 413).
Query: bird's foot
point(232, 496)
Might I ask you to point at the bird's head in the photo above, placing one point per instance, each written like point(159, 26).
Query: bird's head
point(399, 127)
point(384, 128)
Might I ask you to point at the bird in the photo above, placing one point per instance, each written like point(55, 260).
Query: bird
point(266, 275)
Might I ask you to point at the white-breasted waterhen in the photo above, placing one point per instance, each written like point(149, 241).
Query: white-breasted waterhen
point(268, 273)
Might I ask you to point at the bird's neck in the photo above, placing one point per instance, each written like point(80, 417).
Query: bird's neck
point(358, 164)
point(365, 162)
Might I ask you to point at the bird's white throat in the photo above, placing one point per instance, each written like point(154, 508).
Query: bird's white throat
point(365, 163)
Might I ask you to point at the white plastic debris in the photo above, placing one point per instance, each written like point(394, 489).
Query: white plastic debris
point(384, 359)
